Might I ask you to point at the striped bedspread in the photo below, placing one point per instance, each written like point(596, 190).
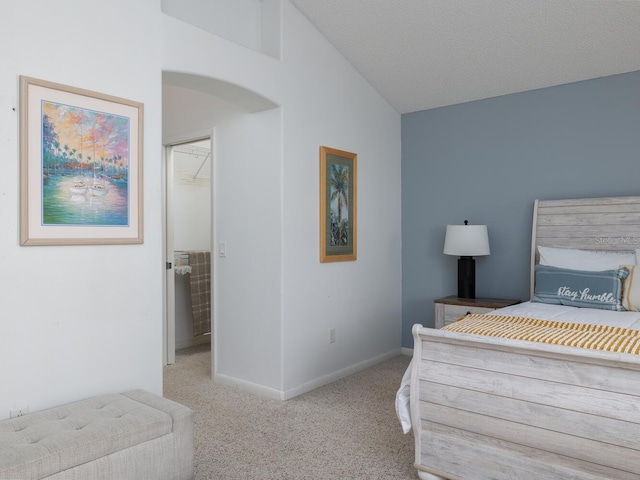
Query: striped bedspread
point(597, 337)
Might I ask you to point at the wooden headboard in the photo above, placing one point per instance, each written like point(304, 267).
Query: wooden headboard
point(606, 223)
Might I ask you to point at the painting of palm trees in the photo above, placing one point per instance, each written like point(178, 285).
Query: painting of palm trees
point(81, 165)
point(337, 205)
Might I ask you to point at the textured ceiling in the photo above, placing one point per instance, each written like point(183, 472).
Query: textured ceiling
point(422, 54)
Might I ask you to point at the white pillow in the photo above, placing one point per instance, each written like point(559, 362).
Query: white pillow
point(586, 260)
point(631, 289)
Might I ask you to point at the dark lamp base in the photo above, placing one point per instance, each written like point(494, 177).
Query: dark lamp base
point(466, 277)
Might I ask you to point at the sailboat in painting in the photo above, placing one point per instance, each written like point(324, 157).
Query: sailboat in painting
point(79, 186)
point(98, 188)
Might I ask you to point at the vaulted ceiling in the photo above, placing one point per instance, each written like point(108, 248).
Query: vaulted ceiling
point(422, 54)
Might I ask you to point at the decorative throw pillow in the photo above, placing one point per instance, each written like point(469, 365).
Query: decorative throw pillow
point(580, 288)
point(588, 260)
point(631, 289)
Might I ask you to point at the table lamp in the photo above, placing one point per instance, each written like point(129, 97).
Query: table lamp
point(466, 241)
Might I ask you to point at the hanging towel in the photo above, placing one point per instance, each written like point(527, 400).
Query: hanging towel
point(200, 283)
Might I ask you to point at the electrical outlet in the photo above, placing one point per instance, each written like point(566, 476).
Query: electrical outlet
point(332, 335)
point(19, 412)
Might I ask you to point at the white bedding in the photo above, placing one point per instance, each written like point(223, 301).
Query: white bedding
point(562, 313)
point(542, 311)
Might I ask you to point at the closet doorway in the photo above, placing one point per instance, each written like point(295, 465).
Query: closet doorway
point(188, 243)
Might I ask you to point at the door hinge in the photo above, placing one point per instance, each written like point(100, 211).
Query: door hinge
point(168, 265)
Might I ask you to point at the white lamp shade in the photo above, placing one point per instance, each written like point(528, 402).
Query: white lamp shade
point(466, 240)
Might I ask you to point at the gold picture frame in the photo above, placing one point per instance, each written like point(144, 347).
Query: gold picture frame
point(338, 205)
point(80, 166)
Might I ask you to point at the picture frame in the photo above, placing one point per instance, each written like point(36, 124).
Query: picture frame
point(81, 166)
point(338, 205)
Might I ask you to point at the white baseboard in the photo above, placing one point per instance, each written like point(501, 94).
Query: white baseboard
point(313, 384)
point(332, 377)
point(192, 342)
point(407, 351)
point(250, 387)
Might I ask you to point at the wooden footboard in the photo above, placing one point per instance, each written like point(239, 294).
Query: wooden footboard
point(491, 408)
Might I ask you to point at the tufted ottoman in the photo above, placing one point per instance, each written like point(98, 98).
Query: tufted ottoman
point(133, 435)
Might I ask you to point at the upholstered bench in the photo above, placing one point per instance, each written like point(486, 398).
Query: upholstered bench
point(133, 435)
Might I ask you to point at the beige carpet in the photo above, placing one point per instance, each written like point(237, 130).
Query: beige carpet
point(345, 430)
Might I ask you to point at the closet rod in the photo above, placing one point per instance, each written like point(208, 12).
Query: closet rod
point(192, 150)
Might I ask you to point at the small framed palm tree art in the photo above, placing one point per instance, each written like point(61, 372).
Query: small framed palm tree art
point(338, 199)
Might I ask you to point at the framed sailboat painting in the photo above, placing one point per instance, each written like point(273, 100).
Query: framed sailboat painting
point(80, 166)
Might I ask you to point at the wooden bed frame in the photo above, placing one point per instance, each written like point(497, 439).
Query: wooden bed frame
point(492, 408)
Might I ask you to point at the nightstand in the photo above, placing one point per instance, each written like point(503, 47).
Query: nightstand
point(449, 309)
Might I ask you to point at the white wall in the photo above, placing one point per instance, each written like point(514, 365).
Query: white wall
point(276, 302)
point(254, 24)
point(236, 20)
point(360, 299)
point(67, 335)
point(78, 321)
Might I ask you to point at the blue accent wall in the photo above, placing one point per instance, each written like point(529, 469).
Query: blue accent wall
point(487, 161)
